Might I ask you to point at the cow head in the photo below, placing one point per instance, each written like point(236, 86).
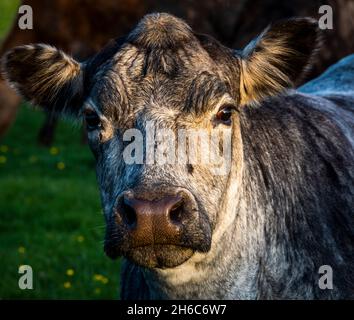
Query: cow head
point(160, 81)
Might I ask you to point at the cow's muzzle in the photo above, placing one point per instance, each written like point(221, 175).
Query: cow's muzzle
point(158, 230)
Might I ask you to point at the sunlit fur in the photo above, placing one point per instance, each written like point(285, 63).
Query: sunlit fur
point(44, 75)
point(276, 61)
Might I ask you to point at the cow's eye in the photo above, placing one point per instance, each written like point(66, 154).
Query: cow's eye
point(92, 120)
point(224, 115)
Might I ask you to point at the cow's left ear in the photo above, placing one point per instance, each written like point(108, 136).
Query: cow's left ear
point(45, 76)
point(278, 58)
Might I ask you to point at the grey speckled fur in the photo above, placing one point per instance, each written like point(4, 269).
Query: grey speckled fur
point(295, 210)
point(287, 205)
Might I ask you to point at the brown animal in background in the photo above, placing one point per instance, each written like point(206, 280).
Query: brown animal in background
point(82, 28)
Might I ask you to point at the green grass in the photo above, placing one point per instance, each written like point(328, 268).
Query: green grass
point(50, 216)
point(7, 12)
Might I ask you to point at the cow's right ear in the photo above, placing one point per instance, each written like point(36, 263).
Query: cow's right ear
point(45, 76)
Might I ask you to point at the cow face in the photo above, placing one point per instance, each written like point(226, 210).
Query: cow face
point(162, 109)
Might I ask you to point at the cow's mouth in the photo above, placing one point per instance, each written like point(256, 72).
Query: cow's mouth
point(155, 256)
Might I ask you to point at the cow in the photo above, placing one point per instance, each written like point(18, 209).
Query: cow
point(265, 227)
point(97, 21)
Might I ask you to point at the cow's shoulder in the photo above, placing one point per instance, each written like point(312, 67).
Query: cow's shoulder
point(336, 80)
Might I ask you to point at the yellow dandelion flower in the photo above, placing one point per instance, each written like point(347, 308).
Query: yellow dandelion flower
point(97, 277)
point(21, 250)
point(104, 280)
point(61, 165)
point(3, 159)
point(70, 272)
point(80, 238)
point(97, 291)
point(53, 151)
point(4, 148)
point(67, 285)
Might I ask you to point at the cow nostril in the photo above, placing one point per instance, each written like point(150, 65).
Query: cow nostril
point(128, 214)
point(176, 213)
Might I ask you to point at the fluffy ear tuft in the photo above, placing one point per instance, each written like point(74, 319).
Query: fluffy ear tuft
point(278, 59)
point(45, 76)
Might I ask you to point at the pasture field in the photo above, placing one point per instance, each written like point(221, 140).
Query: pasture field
point(50, 214)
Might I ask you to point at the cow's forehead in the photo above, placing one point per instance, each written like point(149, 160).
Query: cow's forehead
point(160, 63)
point(139, 61)
point(136, 80)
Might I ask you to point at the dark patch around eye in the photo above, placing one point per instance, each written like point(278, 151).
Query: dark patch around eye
point(92, 120)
